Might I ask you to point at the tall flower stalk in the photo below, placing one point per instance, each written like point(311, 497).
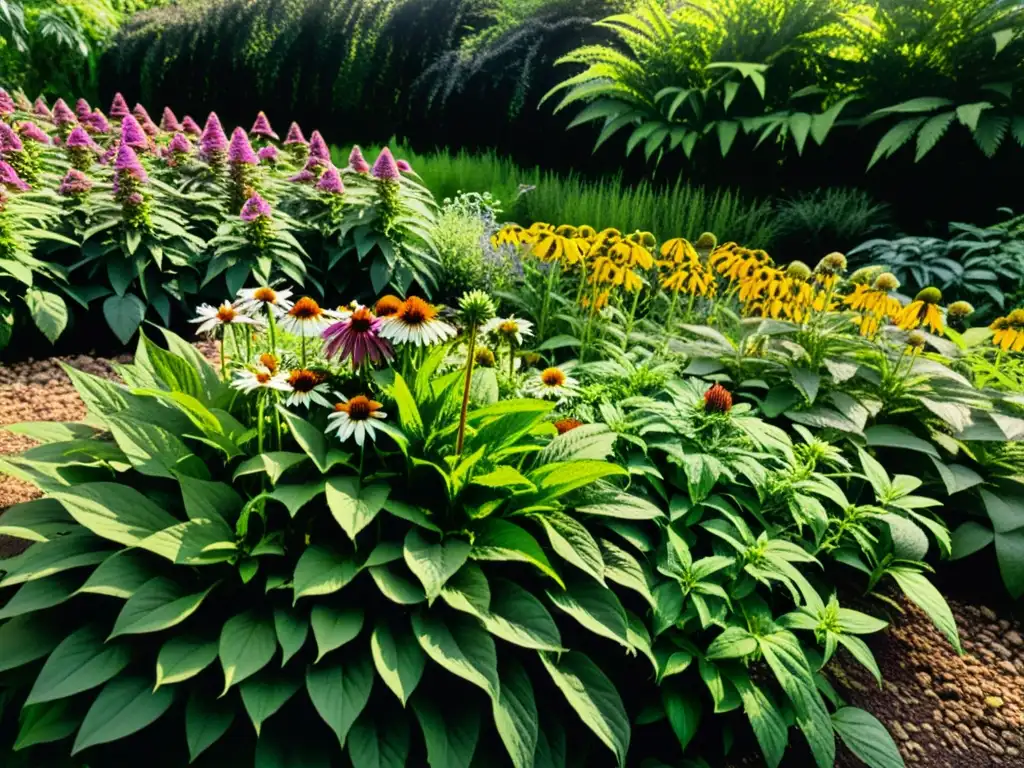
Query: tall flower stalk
point(476, 308)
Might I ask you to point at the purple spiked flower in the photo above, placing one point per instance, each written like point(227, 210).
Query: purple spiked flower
point(385, 167)
point(403, 166)
point(83, 111)
point(268, 154)
point(9, 177)
point(131, 133)
point(190, 126)
point(213, 141)
point(318, 148)
point(33, 132)
point(62, 114)
point(78, 138)
point(9, 141)
point(357, 162)
point(6, 103)
point(262, 127)
point(358, 337)
point(255, 207)
point(127, 162)
point(168, 121)
point(109, 155)
point(141, 114)
point(304, 176)
point(295, 135)
point(330, 182)
point(74, 183)
point(118, 107)
point(180, 144)
point(98, 122)
point(41, 109)
point(240, 151)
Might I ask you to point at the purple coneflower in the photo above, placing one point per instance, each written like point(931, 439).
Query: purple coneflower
point(213, 141)
point(295, 135)
point(83, 111)
point(41, 109)
point(7, 103)
point(62, 114)
point(357, 337)
point(330, 182)
point(169, 122)
point(9, 141)
point(240, 152)
point(191, 127)
point(118, 107)
point(268, 154)
point(318, 148)
point(357, 162)
point(131, 133)
point(255, 207)
point(33, 132)
point(385, 168)
point(262, 127)
point(74, 183)
point(10, 178)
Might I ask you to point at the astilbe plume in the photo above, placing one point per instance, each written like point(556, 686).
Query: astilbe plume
point(80, 148)
point(213, 143)
point(75, 184)
point(330, 182)
point(717, 400)
point(10, 178)
point(318, 151)
point(83, 111)
point(169, 122)
point(357, 162)
point(99, 122)
point(241, 165)
point(118, 107)
point(131, 133)
point(40, 108)
point(62, 114)
point(295, 136)
point(385, 168)
point(31, 131)
point(129, 177)
point(240, 151)
point(387, 176)
point(7, 103)
point(256, 215)
point(262, 127)
point(191, 127)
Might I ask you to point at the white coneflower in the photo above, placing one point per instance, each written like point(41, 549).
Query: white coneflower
point(306, 387)
point(306, 318)
point(416, 323)
point(552, 383)
point(252, 299)
point(210, 317)
point(355, 418)
point(509, 329)
point(261, 378)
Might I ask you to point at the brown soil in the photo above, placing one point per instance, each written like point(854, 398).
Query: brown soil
point(945, 710)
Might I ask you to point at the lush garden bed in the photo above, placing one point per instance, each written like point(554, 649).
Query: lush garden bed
point(635, 497)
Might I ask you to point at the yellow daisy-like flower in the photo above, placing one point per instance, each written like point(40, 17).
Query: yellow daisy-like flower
point(678, 251)
point(922, 311)
point(629, 253)
point(1008, 332)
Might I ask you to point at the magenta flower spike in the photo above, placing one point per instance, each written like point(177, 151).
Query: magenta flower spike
point(83, 111)
point(357, 162)
point(74, 183)
point(330, 182)
point(131, 133)
point(78, 138)
point(295, 135)
point(9, 140)
point(62, 114)
point(318, 148)
point(141, 114)
point(33, 132)
point(10, 178)
point(262, 127)
point(213, 139)
point(255, 207)
point(403, 166)
point(268, 154)
point(128, 162)
point(180, 144)
point(6, 103)
point(385, 167)
point(150, 128)
point(118, 107)
point(304, 176)
point(109, 155)
point(169, 122)
point(40, 108)
point(240, 151)
point(358, 337)
point(191, 127)
point(99, 122)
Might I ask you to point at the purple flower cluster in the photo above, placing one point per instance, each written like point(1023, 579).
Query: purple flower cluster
point(83, 111)
point(131, 133)
point(255, 208)
point(74, 183)
point(268, 154)
point(78, 139)
point(118, 107)
point(305, 176)
point(262, 127)
point(169, 122)
point(240, 152)
point(98, 122)
point(295, 135)
point(127, 164)
point(213, 142)
point(180, 145)
point(62, 114)
point(41, 109)
point(33, 132)
point(9, 177)
point(319, 154)
point(9, 141)
point(330, 182)
point(7, 103)
point(191, 127)
point(357, 162)
point(385, 168)
point(140, 114)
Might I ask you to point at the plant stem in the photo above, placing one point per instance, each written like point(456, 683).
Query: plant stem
point(261, 404)
point(223, 365)
point(272, 326)
point(511, 359)
point(630, 321)
point(277, 428)
point(542, 322)
point(465, 390)
point(234, 343)
point(248, 346)
point(303, 348)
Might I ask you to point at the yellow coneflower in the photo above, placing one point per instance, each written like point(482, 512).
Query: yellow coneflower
point(1008, 332)
point(923, 310)
point(631, 253)
point(695, 281)
point(678, 251)
point(510, 234)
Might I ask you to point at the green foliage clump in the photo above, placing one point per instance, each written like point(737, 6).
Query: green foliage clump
point(468, 261)
point(832, 219)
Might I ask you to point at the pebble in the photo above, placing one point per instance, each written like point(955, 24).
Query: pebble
point(988, 613)
point(1013, 638)
point(995, 702)
point(899, 733)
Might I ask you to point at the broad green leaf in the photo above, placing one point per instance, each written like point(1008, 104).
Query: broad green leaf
point(397, 657)
point(450, 732)
point(49, 312)
point(182, 657)
point(595, 607)
point(333, 627)
point(682, 707)
point(291, 628)
point(733, 643)
point(889, 436)
point(573, 542)
point(265, 693)
point(295, 496)
point(27, 638)
point(1010, 554)
point(41, 594)
point(81, 662)
point(273, 463)
point(47, 558)
point(860, 651)
point(590, 441)
point(557, 479)
point(152, 450)
point(518, 617)
point(124, 706)
point(353, 506)
point(120, 575)
point(36, 520)
point(247, 644)
point(340, 690)
point(46, 723)
point(925, 596)
point(515, 714)
point(158, 604)
point(116, 512)
point(468, 591)
point(379, 743)
point(397, 587)
point(209, 500)
point(434, 562)
point(765, 718)
point(501, 540)
point(124, 314)
point(459, 644)
point(594, 698)
point(866, 737)
point(624, 569)
point(321, 571)
point(206, 720)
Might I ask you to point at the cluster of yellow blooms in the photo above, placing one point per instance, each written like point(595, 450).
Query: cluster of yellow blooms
point(610, 260)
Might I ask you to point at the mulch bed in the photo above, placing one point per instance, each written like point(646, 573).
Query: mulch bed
point(944, 710)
